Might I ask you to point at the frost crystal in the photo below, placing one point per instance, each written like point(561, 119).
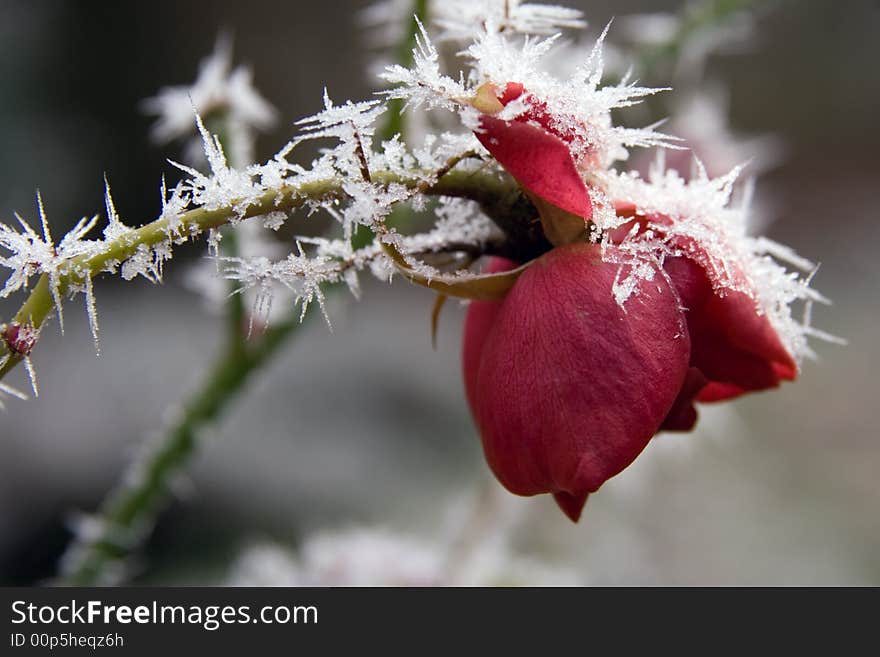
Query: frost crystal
point(303, 276)
point(578, 106)
point(424, 83)
point(696, 218)
point(217, 90)
point(342, 121)
point(358, 182)
point(462, 19)
point(30, 254)
point(6, 390)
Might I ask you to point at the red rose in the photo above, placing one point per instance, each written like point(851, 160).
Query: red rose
point(567, 387)
point(567, 379)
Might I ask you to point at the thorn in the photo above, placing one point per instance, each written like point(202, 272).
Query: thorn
point(47, 235)
point(112, 216)
point(13, 392)
point(163, 189)
point(439, 302)
point(56, 299)
point(92, 311)
point(32, 375)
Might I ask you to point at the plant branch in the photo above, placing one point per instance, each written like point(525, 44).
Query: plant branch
point(128, 512)
point(404, 56)
point(484, 187)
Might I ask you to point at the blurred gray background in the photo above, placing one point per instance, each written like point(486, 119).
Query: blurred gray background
point(368, 425)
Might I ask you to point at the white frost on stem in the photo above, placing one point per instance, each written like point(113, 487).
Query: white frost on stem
point(358, 182)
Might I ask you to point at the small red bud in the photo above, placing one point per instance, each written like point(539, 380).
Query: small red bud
point(20, 339)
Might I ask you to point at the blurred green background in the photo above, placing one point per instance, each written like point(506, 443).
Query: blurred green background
point(367, 425)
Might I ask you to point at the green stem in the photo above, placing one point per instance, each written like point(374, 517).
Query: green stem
point(235, 311)
point(404, 56)
point(129, 511)
point(483, 187)
point(395, 120)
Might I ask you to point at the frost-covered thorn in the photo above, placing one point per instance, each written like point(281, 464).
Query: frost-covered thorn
point(361, 154)
point(447, 166)
point(92, 311)
point(47, 235)
point(115, 228)
point(10, 391)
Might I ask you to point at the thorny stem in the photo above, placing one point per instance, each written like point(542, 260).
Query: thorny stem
point(395, 122)
point(217, 123)
point(404, 56)
point(487, 188)
point(128, 512)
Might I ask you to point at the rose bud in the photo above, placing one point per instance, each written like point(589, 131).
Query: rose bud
point(567, 386)
point(596, 348)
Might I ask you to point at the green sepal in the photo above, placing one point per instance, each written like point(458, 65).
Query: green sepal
point(481, 287)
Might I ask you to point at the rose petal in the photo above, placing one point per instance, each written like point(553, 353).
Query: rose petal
point(480, 317)
point(568, 387)
point(734, 347)
point(540, 162)
point(683, 416)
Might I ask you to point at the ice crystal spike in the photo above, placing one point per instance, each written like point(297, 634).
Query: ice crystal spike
point(47, 235)
point(577, 105)
point(92, 310)
point(459, 20)
point(9, 391)
point(115, 229)
point(32, 375)
point(502, 44)
point(341, 120)
point(700, 211)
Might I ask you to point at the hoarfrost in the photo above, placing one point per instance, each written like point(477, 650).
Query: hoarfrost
point(698, 218)
point(460, 19)
point(359, 183)
point(578, 106)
